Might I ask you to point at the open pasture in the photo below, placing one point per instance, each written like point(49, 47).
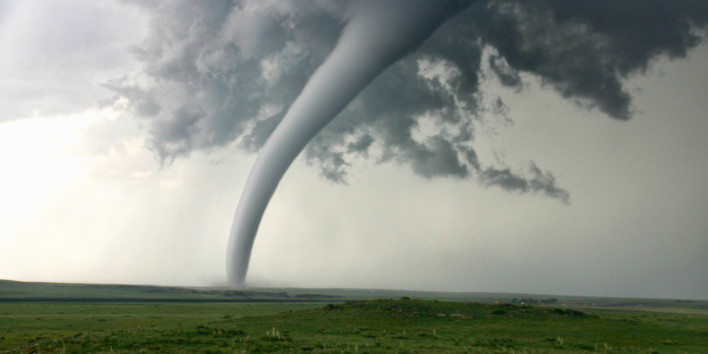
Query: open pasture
point(402, 325)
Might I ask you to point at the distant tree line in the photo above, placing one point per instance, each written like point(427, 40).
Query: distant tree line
point(532, 301)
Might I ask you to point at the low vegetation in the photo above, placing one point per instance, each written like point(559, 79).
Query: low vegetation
point(402, 325)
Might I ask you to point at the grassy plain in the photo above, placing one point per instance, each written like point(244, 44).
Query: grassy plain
point(360, 326)
point(44, 317)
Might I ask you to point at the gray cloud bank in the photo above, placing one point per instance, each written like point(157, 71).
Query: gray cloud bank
point(54, 54)
point(222, 72)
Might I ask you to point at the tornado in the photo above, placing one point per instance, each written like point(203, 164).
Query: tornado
point(376, 35)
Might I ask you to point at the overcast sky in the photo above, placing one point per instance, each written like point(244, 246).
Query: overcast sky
point(543, 147)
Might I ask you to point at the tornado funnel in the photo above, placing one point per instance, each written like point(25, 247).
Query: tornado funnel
point(377, 34)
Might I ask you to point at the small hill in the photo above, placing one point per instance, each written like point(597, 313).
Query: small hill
point(422, 309)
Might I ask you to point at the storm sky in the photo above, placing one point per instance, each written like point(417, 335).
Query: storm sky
point(545, 147)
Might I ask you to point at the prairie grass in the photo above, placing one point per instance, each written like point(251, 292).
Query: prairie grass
point(405, 325)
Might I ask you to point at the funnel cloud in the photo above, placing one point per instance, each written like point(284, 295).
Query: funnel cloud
point(376, 35)
point(238, 72)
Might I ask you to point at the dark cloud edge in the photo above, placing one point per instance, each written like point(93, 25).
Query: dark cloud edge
point(212, 92)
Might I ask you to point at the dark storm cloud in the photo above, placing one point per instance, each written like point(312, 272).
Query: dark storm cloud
point(361, 145)
point(219, 72)
point(584, 49)
point(539, 181)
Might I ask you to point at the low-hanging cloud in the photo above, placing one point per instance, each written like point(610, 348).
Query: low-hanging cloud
point(223, 72)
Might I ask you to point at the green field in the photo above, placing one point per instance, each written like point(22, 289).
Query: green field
point(62, 322)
